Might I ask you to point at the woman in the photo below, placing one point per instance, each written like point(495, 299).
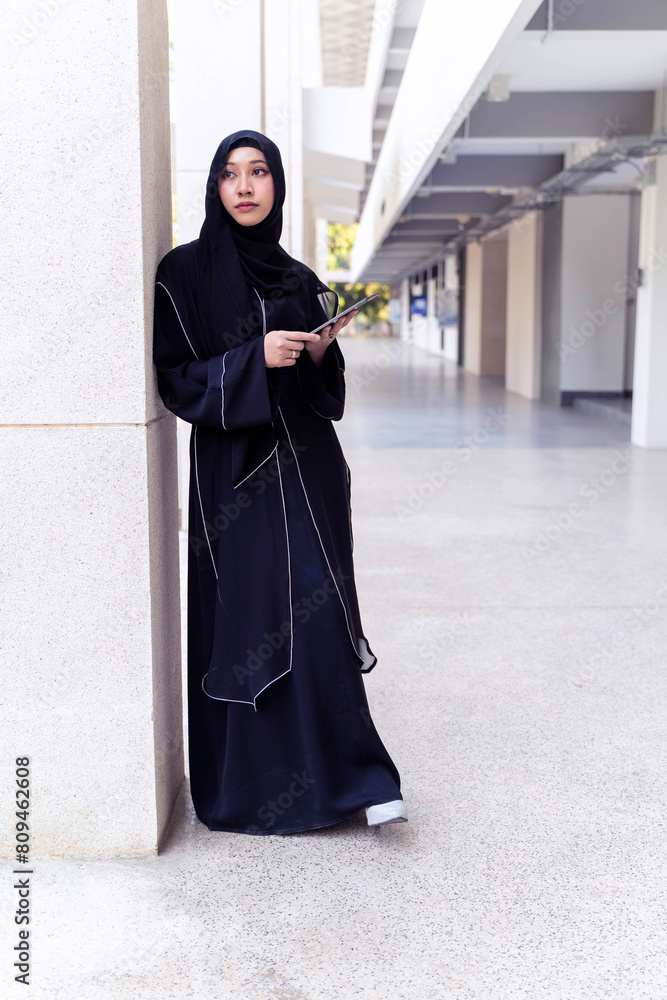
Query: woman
point(280, 735)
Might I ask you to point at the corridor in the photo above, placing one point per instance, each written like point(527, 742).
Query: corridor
point(511, 568)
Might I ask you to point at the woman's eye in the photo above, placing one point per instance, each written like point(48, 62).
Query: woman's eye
point(261, 170)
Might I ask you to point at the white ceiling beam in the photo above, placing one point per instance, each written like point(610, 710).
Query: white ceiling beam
point(434, 97)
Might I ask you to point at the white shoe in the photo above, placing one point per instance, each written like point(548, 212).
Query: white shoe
point(387, 812)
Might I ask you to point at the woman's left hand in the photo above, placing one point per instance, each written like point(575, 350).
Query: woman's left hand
point(317, 348)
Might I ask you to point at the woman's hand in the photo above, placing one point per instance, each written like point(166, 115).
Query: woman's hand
point(282, 347)
point(324, 338)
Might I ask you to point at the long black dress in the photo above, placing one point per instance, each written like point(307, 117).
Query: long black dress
point(280, 735)
point(310, 755)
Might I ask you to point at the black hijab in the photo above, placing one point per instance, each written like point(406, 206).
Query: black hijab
point(234, 258)
point(210, 283)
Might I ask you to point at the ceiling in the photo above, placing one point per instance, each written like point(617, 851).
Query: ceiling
point(593, 75)
point(587, 60)
point(345, 33)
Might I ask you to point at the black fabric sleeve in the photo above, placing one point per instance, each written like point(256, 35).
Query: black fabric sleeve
point(230, 390)
point(324, 387)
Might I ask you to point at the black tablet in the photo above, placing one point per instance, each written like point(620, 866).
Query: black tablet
point(357, 305)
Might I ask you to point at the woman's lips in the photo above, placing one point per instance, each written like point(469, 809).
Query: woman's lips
point(247, 207)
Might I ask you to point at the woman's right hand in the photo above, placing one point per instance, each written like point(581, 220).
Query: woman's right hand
point(282, 347)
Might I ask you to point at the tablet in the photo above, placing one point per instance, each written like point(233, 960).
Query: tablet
point(357, 305)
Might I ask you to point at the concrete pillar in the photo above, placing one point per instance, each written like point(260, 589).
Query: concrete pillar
point(284, 111)
point(649, 397)
point(585, 269)
point(551, 298)
point(418, 322)
point(595, 236)
point(494, 304)
point(486, 298)
point(218, 73)
point(320, 265)
point(472, 329)
point(433, 335)
point(224, 70)
point(451, 349)
point(236, 67)
point(405, 327)
point(524, 327)
point(91, 648)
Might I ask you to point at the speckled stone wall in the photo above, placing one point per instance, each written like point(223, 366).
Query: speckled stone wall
point(90, 625)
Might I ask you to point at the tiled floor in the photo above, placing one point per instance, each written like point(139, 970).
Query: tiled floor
point(513, 583)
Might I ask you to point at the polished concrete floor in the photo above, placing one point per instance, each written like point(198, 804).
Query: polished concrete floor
point(513, 583)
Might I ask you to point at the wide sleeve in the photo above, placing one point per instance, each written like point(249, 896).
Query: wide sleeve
point(323, 387)
point(230, 390)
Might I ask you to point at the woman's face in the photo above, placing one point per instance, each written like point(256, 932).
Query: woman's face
point(245, 186)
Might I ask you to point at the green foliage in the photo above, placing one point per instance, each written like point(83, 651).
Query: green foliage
point(340, 239)
point(375, 312)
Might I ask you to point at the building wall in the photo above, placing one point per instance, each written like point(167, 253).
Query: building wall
point(494, 305)
point(217, 90)
point(91, 643)
point(404, 327)
point(552, 239)
point(596, 230)
point(631, 295)
point(524, 281)
point(426, 329)
point(473, 308)
point(649, 399)
point(451, 333)
point(485, 306)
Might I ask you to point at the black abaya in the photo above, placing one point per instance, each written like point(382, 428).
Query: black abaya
point(280, 734)
point(310, 755)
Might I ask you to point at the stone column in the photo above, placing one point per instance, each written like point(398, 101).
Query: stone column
point(594, 259)
point(217, 90)
point(485, 306)
point(90, 623)
point(405, 332)
point(283, 62)
point(649, 396)
point(472, 327)
point(524, 327)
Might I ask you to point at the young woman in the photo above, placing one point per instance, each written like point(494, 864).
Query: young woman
point(280, 735)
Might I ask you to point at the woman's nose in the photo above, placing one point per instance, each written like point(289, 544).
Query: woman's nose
point(245, 185)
